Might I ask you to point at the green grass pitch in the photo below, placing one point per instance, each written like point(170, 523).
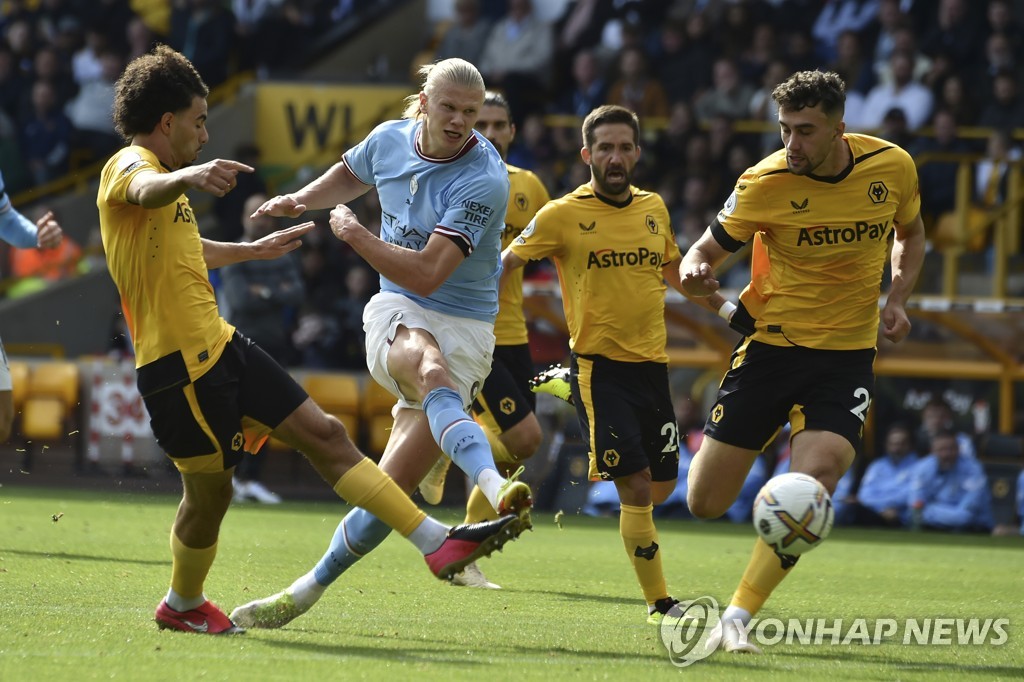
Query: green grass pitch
point(77, 597)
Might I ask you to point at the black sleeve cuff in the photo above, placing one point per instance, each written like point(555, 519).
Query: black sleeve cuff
point(723, 238)
point(464, 246)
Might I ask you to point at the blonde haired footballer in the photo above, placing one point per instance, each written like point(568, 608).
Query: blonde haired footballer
point(505, 404)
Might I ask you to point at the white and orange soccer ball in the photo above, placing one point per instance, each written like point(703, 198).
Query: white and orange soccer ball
point(793, 513)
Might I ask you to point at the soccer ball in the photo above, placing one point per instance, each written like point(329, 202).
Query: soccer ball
point(793, 513)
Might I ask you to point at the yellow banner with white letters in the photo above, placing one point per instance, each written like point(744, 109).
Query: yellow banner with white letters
point(314, 123)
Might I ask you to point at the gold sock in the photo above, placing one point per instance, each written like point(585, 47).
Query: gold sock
point(498, 449)
point(640, 537)
point(763, 574)
point(366, 486)
point(189, 567)
point(478, 508)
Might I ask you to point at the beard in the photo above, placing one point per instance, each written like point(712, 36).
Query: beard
point(612, 187)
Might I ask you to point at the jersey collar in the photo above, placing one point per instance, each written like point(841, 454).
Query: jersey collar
point(470, 142)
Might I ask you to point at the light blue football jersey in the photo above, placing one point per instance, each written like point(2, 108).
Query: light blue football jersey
point(463, 198)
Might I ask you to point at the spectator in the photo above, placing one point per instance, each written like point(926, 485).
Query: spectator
point(904, 93)
point(956, 32)
point(15, 174)
point(894, 128)
point(139, 37)
point(47, 66)
point(467, 35)
point(938, 177)
point(21, 39)
point(882, 497)
point(838, 16)
point(759, 53)
point(736, 34)
point(670, 144)
point(254, 26)
point(113, 17)
point(937, 416)
point(46, 136)
point(999, 58)
point(85, 62)
point(261, 295)
point(763, 108)
point(1000, 19)
point(949, 490)
point(90, 110)
point(579, 29)
point(852, 64)
point(683, 64)
point(729, 96)
point(905, 40)
point(635, 89)
point(1005, 109)
point(517, 58)
point(890, 19)
point(991, 175)
point(14, 84)
point(953, 97)
point(799, 51)
point(588, 89)
point(202, 30)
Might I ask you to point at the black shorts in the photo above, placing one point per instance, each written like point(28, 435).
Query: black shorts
point(767, 386)
point(626, 410)
point(506, 398)
point(210, 424)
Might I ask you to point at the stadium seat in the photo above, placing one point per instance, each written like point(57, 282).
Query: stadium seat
point(377, 404)
point(42, 419)
point(50, 409)
point(55, 379)
point(997, 446)
point(19, 381)
point(338, 395)
point(1002, 481)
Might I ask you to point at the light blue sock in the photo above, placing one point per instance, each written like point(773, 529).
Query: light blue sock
point(357, 535)
point(459, 436)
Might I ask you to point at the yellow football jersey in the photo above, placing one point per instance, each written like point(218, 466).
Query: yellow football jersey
point(156, 260)
point(609, 258)
point(820, 244)
point(525, 197)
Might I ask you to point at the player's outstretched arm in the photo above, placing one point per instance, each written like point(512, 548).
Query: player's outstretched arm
point(274, 245)
point(15, 229)
point(337, 186)
point(217, 177)
point(421, 272)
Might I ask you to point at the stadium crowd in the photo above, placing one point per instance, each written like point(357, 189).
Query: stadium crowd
point(698, 72)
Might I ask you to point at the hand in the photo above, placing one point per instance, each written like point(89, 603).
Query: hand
point(281, 206)
point(276, 244)
point(217, 177)
point(895, 323)
point(344, 222)
point(698, 280)
point(48, 232)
